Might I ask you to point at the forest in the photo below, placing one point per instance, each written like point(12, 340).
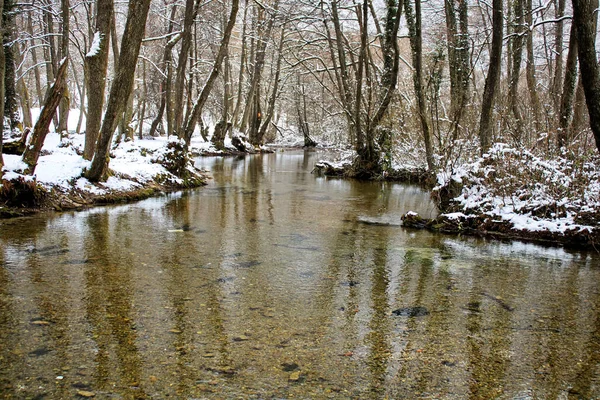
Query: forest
point(497, 103)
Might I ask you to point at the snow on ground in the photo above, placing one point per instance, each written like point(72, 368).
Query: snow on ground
point(61, 164)
point(531, 193)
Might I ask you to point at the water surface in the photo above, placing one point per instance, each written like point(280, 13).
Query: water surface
point(274, 283)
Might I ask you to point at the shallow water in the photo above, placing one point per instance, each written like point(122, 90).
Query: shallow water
point(274, 283)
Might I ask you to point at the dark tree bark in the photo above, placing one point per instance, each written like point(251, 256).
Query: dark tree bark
point(191, 10)
point(341, 69)
point(458, 59)
point(584, 16)
point(36, 69)
point(96, 62)
point(362, 149)
point(11, 103)
point(239, 97)
point(558, 51)
point(2, 61)
point(414, 26)
point(492, 79)
point(23, 94)
point(530, 70)
point(517, 55)
point(201, 101)
point(122, 85)
point(165, 96)
point(301, 112)
point(273, 98)
point(55, 94)
point(218, 137)
point(254, 111)
point(65, 103)
point(568, 92)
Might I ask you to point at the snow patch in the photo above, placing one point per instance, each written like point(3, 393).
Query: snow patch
point(95, 48)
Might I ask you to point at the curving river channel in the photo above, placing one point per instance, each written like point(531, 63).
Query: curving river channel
point(273, 283)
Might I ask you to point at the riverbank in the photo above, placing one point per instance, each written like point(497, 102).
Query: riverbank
point(139, 169)
point(508, 194)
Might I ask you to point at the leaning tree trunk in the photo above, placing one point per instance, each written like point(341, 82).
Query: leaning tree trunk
point(584, 14)
point(96, 62)
point(199, 105)
point(121, 86)
point(40, 130)
point(492, 79)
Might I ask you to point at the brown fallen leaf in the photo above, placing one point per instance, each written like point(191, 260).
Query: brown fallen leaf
point(85, 393)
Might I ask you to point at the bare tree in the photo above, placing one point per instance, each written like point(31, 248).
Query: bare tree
point(40, 130)
point(492, 79)
point(584, 17)
point(2, 58)
point(96, 62)
point(203, 97)
point(122, 85)
point(414, 24)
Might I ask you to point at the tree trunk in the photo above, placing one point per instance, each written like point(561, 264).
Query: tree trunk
point(50, 55)
point(122, 85)
point(218, 137)
point(255, 117)
point(11, 105)
point(517, 54)
point(24, 97)
point(199, 105)
point(272, 100)
point(301, 112)
point(492, 79)
point(414, 26)
point(239, 96)
point(96, 62)
point(65, 103)
point(55, 93)
point(568, 92)
point(558, 51)
point(36, 69)
point(531, 77)
point(165, 86)
point(361, 146)
point(344, 77)
point(2, 59)
point(81, 88)
point(584, 15)
point(142, 103)
point(191, 9)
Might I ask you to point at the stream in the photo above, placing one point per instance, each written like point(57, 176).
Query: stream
point(273, 283)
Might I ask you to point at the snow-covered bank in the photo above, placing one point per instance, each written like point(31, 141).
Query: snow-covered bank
point(511, 193)
point(139, 169)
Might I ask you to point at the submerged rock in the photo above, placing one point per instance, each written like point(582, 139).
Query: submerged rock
point(417, 311)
